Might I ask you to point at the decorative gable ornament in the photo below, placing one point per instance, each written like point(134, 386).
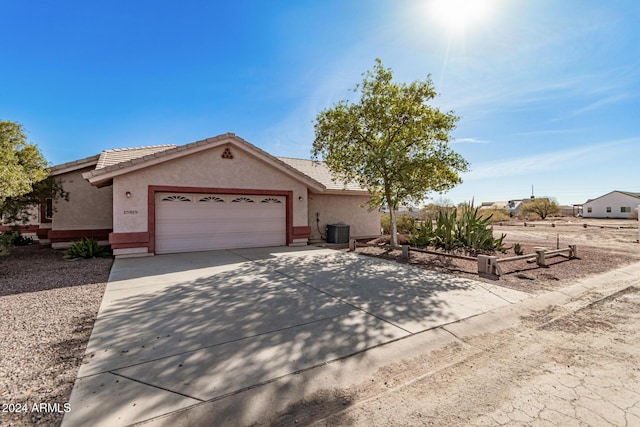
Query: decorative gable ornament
point(227, 154)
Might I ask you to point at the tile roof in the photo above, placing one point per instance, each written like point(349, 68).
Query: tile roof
point(320, 172)
point(120, 155)
point(111, 161)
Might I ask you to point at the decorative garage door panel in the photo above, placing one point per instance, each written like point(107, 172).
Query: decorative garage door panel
point(188, 222)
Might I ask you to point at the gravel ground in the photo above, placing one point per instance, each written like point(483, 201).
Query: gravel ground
point(47, 309)
point(599, 250)
point(48, 305)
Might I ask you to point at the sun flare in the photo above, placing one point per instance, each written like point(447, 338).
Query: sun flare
point(458, 15)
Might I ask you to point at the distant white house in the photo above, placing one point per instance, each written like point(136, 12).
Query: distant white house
point(513, 206)
point(616, 204)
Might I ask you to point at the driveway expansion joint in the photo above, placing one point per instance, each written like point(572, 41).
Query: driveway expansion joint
point(154, 386)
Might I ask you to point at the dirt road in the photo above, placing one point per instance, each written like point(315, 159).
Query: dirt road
point(576, 364)
point(582, 369)
point(611, 234)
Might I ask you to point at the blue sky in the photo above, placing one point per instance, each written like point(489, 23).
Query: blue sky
point(548, 91)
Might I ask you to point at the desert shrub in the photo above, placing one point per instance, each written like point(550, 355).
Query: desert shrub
point(432, 211)
point(9, 239)
point(541, 207)
point(423, 234)
point(494, 215)
point(17, 239)
point(518, 249)
point(404, 223)
point(86, 248)
point(385, 223)
point(5, 244)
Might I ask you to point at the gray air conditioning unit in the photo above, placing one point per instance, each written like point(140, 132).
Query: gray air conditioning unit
point(337, 233)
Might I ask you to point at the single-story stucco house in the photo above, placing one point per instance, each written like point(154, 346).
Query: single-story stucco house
point(616, 204)
point(217, 193)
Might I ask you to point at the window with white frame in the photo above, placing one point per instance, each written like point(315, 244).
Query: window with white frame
point(608, 209)
point(625, 209)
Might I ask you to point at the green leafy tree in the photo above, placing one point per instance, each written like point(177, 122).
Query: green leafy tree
point(18, 209)
point(21, 164)
point(543, 207)
point(391, 142)
point(24, 177)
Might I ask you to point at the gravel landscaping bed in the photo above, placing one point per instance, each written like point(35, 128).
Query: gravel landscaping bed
point(519, 275)
point(47, 309)
point(604, 246)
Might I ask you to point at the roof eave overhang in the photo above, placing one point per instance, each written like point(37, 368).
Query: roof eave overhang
point(73, 166)
point(103, 177)
point(345, 192)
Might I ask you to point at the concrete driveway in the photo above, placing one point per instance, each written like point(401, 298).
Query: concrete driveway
point(177, 331)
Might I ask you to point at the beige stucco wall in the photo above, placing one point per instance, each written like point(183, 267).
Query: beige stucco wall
point(333, 209)
point(202, 169)
point(88, 207)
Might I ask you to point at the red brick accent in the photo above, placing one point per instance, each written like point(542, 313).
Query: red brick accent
point(153, 189)
point(58, 236)
point(129, 240)
point(43, 233)
point(31, 228)
point(301, 232)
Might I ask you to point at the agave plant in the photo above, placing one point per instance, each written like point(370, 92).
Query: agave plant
point(423, 235)
point(448, 232)
point(518, 249)
point(468, 231)
point(86, 248)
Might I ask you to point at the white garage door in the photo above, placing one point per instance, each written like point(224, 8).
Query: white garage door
point(187, 222)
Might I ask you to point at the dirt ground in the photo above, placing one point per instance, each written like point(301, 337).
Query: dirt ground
point(602, 246)
point(561, 366)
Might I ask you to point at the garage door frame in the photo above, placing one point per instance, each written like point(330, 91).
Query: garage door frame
point(153, 189)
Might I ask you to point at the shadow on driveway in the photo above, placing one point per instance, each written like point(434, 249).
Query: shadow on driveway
point(177, 330)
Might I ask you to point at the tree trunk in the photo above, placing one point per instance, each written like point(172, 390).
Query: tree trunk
point(394, 226)
point(393, 207)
